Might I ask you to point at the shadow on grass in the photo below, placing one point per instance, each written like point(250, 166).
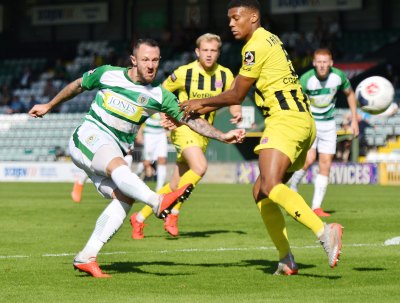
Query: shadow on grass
point(266, 266)
point(269, 267)
point(206, 233)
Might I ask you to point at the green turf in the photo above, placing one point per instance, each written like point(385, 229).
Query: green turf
point(223, 253)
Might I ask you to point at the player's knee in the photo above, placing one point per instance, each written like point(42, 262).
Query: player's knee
point(200, 168)
point(267, 185)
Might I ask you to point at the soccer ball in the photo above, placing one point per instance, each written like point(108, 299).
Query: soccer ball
point(374, 94)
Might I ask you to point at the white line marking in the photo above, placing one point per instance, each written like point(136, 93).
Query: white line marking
point(13, 257)
point(190, 250)
point(392, 241)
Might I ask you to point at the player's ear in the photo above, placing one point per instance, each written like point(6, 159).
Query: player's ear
point(133, 60)
point(255, 17)
point(197, 51)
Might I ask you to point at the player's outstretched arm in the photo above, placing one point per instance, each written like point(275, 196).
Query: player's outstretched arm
point(233, 96)
point(202, 127)
point(68, 92)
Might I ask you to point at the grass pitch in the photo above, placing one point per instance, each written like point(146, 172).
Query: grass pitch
point(223, 253)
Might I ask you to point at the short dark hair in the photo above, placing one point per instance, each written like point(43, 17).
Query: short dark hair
point(147, 41)
point(254, 4)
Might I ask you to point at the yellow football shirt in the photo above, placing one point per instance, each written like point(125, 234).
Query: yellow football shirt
point(190, 82)
point(277, 86)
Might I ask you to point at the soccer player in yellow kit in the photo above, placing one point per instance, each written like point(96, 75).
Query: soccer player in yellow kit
point(201, 78)
point(289, 131)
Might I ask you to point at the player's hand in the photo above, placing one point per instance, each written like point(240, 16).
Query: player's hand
point(39, 110)
point(236, 118)
point(234, 136)
point(168, 122)
point(191, 108)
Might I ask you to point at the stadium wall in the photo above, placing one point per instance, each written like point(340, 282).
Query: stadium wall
point(239, 172)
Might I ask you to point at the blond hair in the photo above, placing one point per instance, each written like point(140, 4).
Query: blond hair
point(209, 37)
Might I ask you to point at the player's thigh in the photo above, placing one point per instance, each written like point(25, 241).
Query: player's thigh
point(326, 137)
point(291, 133)
point(183, 137)
point(195, 158)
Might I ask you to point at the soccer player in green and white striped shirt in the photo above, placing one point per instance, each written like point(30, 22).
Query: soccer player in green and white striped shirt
point(321, 84)
point(125, 98)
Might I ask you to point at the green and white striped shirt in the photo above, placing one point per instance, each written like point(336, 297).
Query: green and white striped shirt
point(121, 105)
point(323, 93)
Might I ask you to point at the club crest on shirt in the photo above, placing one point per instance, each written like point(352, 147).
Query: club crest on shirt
point(219, 84)
point(173, 77)
point(142, 99)
point(249, 58)
point(91, 140)
point(264, 140)
point(91, 71)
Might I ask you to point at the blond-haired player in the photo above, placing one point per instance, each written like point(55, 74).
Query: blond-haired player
point(201, 78)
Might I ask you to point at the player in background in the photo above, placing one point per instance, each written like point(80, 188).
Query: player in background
point(289, 131)
point(125, 98)
point(322, 84)
point(200, 78)
point(153, 137)
point(77, 189)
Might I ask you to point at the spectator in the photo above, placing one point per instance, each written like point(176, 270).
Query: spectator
point(49, 89)
point(344, 140)
point(49, 93)
point(60, 71)
point(363, 124)
point(16, 106)
point(33, 101)
point(26, 78)
point(5, 95)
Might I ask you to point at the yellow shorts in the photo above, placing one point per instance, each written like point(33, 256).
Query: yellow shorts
point(290, 132)
point(184, 137)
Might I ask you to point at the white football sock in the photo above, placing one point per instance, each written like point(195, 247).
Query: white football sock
point(139, 168)
point(129, 159)
point(107, 224)
point(161, 175)
point(296, 179)
point(320, 185)
point(132, 186)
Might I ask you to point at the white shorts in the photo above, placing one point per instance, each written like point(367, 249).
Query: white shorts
point(325, 141)
point(155, 146)
point(83, 144)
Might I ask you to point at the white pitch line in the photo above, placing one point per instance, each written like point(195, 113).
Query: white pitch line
point(191, 250)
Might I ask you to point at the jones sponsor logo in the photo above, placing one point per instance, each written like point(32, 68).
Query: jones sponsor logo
point(121, 105)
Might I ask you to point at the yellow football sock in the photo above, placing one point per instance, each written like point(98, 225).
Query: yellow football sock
point(295, 206)
point(147, 211)
point(189, 177)
point(275, 224)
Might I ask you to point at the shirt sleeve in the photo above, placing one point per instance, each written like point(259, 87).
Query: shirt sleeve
point(91, 79)
point(174, 81)
point(170, 105)
point(253, 57)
